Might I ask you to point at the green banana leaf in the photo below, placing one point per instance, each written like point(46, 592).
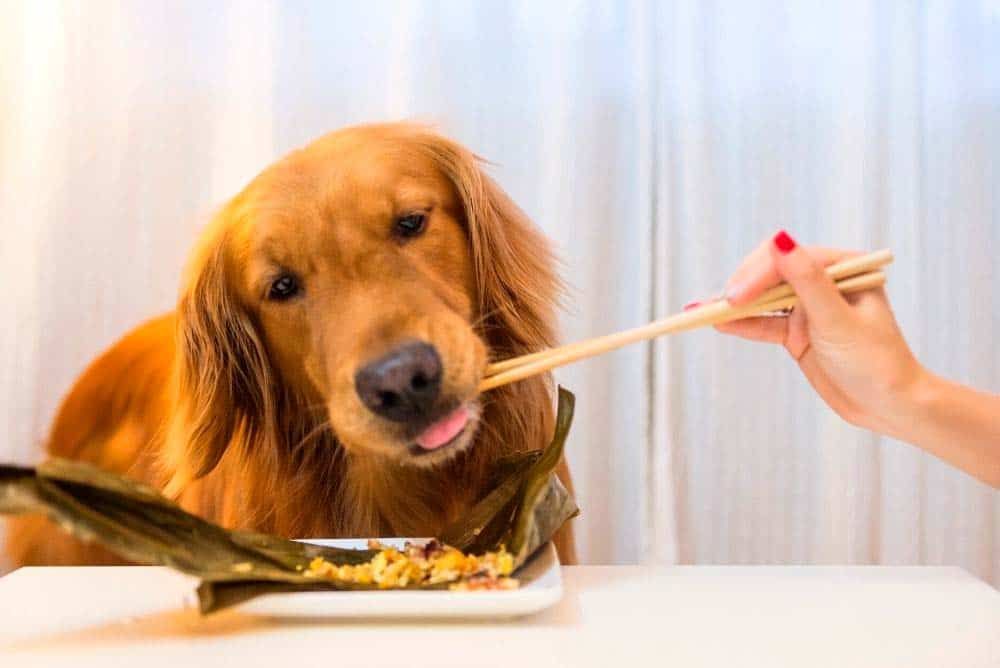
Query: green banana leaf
point(526, 506)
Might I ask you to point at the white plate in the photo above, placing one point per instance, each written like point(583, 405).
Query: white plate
point(541, 587)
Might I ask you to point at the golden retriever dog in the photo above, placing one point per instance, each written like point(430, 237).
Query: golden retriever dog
point(318, 376)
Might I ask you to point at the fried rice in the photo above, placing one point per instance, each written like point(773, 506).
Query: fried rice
point(431, 564)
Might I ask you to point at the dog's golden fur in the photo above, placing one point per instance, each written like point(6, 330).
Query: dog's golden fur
point(245, 410)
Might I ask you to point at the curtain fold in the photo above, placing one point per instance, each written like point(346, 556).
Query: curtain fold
point(656, 143)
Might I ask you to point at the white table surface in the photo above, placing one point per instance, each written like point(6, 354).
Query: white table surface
point(610, 615)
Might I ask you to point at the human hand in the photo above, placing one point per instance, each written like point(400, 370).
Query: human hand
point(848, 346)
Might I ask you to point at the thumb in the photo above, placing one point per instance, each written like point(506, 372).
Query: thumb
point(818, 296)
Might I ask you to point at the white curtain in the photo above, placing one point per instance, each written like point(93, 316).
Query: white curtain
point(655, 142)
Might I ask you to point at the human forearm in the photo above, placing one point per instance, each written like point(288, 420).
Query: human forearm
point(952, 422)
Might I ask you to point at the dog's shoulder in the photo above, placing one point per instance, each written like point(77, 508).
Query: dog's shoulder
point(119, 403)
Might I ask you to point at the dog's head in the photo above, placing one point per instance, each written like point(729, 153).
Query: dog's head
point(367, 278)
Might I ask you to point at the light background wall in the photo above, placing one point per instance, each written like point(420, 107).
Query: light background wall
point(656, 143)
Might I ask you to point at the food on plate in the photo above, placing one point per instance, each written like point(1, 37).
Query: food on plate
point(429, 564)
point(483, 550)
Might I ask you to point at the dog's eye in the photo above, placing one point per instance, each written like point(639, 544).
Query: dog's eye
point(284, 287)
point(410, 225)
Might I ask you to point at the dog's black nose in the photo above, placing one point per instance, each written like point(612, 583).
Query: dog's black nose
point(403, 385)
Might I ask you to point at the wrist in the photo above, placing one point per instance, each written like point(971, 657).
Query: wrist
point(911, 403)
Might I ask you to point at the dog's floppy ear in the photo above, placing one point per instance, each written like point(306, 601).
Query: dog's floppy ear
point(223, 380)
point(515, 277)
point(517, 295)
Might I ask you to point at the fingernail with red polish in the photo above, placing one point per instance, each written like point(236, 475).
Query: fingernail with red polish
point(785, 243)
point(691, 305)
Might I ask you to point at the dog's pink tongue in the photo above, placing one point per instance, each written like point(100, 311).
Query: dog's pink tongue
point(444, 429)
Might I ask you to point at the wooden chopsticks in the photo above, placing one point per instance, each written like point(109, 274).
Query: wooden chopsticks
point(853, 275)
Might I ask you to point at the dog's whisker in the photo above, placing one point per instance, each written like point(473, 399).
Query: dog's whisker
point(496, 310)
point(311, 434)
point(481, 320)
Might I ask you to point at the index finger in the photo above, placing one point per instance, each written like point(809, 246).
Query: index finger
point(757, 273)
